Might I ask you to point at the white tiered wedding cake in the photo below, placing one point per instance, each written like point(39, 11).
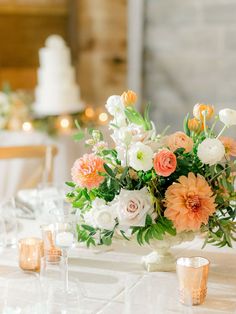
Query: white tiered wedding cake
point(57, 92)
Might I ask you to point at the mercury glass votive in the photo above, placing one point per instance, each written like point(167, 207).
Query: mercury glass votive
point(192, 274)
point(30, 253)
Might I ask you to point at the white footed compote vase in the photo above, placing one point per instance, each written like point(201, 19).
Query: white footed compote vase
point(161, 259)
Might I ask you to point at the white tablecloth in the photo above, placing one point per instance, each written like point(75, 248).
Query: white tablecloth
point(105, 278)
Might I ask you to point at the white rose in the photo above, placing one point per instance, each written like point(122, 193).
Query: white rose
point(140, 157)
point(101, 215)
point(211, 151)
point(228, 116)
point(133, 207)
point(115, 105)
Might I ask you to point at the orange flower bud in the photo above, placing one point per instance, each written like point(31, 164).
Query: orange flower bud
point(199, 109)
point(129, 98)
point(195, 125)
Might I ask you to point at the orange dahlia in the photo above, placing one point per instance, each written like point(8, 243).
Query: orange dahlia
point(86, 171)
point(189, 203)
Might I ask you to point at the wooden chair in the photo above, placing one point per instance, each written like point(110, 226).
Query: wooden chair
point(45, 152)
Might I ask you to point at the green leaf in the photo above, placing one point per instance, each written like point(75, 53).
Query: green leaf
point(140, 237)
point(106, 240)
point(88, 228)
point(78, 136)
point(71, 184)
point(148, 221)
point(123, 234)
point(91, 241)
point(134, 116)
point(186, 128)
point(109, 171)
point(124, 174)
point(146, 118)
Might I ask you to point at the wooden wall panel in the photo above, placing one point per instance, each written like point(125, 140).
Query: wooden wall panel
point(96, 31)
point(102, 44)
point(23, 30)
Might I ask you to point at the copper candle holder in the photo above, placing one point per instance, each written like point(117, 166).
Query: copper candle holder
point(192, 274)
point(48, 242)
point(30, 253)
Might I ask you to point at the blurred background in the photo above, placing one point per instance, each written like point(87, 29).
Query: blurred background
point(183, 51)
point(173, 53)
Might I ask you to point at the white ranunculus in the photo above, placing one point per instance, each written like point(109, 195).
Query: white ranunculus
point(101, 215)
point(211, 151)
point(115, 105)
point(132, 207)
point(140, 157)
point(228, 116)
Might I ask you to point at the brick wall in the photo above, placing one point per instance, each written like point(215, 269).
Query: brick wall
point(189, 56)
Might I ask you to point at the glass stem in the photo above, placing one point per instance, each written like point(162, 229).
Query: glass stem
point(65, 275)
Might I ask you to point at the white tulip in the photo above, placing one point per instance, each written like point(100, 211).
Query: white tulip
point(140, 157)
point(211, 151)
point(228, 116)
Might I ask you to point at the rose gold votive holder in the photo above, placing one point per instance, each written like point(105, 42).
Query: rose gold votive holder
point(30, 253)
point(48, 242)
point(192, 274)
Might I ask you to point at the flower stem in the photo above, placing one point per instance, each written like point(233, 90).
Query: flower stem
point(204, 113)
point(214, 124)
point(222, 131)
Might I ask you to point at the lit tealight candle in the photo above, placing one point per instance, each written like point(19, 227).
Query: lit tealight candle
point(89, 112)
point(64, 239)
point(30, 253)
point(103, 117)
point(27, 126)
point(64, 123)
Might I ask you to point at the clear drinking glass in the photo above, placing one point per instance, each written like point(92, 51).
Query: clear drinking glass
point(3, 235)
point(21, 293)
point(50, 197)
point(64, 303)
point(8, 215)
point(52, 270)
point(52, 275)
point(65, 236)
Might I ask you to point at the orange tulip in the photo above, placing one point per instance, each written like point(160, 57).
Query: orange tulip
point(195, 125)
point(198, 110)
point(129, 98)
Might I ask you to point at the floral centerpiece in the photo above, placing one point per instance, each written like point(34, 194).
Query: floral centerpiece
point(151, 185)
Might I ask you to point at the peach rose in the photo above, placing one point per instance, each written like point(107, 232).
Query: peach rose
point(179, 140)
point(129, 98)
point(85, 171)
point(199, 108)
point(229, 144)
point(164, 162)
